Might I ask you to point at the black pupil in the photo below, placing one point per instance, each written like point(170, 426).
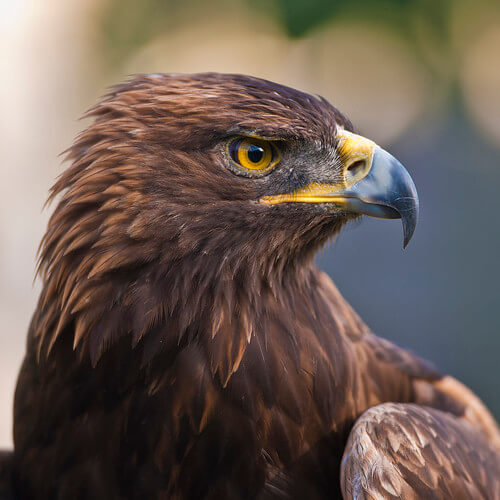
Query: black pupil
point(255, 153)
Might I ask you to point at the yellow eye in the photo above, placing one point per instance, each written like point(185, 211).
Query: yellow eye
point(253, 154)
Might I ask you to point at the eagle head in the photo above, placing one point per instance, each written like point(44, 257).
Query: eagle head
point(188, 177)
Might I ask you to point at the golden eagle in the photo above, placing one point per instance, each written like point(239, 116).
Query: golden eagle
point(185, 346)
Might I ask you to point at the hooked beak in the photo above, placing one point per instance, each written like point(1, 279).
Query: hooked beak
point(374, 184)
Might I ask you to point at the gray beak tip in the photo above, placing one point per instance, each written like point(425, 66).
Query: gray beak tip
point(406, 241)
point(409, 221)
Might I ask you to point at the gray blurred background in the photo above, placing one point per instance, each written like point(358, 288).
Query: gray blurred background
point(421, 77)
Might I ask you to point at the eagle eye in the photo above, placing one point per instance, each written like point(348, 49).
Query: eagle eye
point(253, 154)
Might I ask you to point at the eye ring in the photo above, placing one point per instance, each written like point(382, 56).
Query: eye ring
point(252, 154)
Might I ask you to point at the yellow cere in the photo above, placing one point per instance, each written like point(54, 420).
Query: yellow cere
point(356, 154)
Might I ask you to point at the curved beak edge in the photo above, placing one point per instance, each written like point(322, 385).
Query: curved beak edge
point(387, 192)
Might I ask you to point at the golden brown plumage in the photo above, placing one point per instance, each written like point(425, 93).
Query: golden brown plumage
point(185, 345)
point(411, 451)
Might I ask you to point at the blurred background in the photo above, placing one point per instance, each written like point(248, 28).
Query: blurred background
point(421, 77)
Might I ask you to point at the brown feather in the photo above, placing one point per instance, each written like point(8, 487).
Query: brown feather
point(412, 452)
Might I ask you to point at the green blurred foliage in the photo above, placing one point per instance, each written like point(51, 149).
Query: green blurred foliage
point(422, 23)
point(299, 17)
point(426, 26)
point(128, 24)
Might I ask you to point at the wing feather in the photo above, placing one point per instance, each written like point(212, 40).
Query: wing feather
point(411, 451)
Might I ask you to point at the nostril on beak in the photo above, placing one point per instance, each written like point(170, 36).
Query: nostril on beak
point(356, 167)
point(355, 171)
